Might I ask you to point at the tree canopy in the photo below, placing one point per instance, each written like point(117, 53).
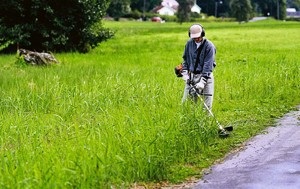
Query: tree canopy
point(75, 25)
point(68, 25)
point(241, 9)
point(184, 10)
point(218, 8)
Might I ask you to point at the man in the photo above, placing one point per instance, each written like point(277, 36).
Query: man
point(198, 68)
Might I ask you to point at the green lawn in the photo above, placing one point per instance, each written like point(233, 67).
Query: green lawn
point(112, 117)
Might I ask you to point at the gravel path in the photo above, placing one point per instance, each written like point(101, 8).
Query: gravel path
point(268, 161)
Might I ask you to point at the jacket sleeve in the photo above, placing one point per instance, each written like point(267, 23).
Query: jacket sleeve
point(185, 65)
point(209, 60)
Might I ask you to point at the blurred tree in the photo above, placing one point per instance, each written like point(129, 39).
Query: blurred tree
point(118, 8)
point(260, 7)
point(144, 5)
point(184, 10)
point(241, 10)
point(222, 7)
point(281, 9)
point(293, 4)
point(207, 6)
point(69, 25)
point(274, 8)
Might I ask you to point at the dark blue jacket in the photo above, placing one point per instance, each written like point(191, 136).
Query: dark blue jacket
point(206, 62)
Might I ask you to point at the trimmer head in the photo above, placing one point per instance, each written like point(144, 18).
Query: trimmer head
point(225, 132)
point(228, 128)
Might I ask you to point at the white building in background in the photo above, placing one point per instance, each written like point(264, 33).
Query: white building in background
point(292, 13)
point(170, 3)
point(167, 7)
point(196, 8)
point(291, 10)
point(166, 11)
point(170, 7)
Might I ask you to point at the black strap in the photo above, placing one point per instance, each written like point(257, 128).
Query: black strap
point(198, 55)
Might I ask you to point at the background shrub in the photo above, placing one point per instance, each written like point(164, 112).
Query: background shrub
point(69, 25)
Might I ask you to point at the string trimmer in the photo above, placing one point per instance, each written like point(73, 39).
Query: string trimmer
point(223, 131)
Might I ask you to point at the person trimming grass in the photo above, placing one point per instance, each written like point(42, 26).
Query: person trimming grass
point(198, 65)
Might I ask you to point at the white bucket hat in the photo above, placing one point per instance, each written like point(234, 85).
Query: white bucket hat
point(195, 31)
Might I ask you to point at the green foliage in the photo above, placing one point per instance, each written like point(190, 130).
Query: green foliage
point(293, 4)
point(144, 5)
point(217, 8)
point(40, 25)
point(241, 10)
point(184, 10)
point(112, 117)
point(169, 18)
point(118, 8)
point(281, 10)
point(270, 7)
point(134, 15)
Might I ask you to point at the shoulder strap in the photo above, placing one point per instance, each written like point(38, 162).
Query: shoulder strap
point(198, 54)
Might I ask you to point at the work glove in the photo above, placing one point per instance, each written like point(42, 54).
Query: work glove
point(201, 84)
point(185, 75)
point(188, 82)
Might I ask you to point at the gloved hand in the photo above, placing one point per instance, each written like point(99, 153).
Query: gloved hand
point(201, 84)
point(188, 82)
point(185, 75)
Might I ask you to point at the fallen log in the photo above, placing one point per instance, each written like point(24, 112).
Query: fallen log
point(37, 58)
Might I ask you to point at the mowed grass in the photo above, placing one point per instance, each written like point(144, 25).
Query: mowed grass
point(112, 117)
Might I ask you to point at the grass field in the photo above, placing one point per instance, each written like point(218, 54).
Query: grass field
point(112, 117)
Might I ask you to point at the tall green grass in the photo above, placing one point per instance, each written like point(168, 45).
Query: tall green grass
point(113, 117)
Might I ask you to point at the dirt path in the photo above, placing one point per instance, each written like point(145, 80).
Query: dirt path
point(268, 161)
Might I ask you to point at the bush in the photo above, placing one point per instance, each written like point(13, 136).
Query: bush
point(134, 14)
point(69, 25)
